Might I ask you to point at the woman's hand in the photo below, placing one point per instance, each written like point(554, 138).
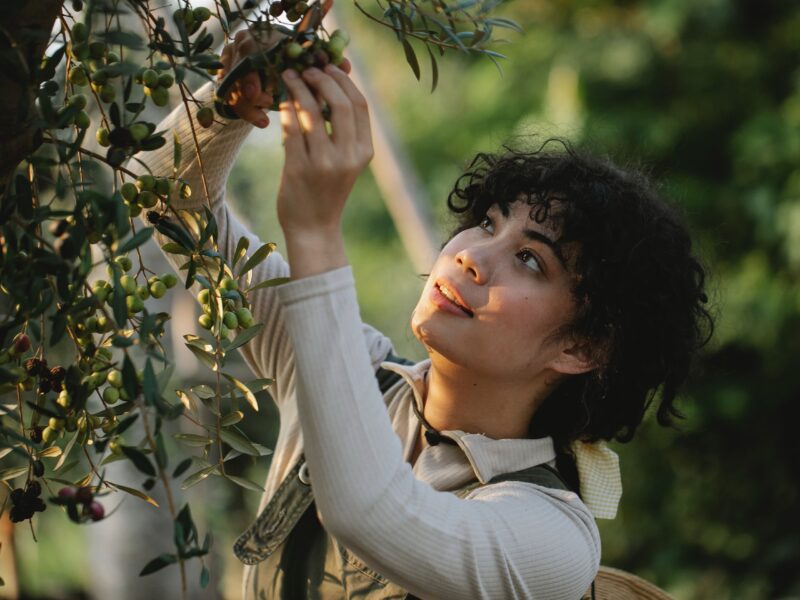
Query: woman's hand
point(246, 98)
point(320, 167)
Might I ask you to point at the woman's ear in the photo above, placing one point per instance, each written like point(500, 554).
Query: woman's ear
point(575, 357)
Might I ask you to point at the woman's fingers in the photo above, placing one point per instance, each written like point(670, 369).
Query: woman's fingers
point(363, 132)
point(308, 112)
point(293, 138)
point(342, 118)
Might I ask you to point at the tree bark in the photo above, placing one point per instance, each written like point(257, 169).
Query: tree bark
point(24, 34)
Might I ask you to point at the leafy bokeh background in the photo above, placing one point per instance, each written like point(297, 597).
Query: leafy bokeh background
point(706, 96)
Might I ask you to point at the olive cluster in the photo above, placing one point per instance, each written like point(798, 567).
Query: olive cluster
point(24, 503)
point(233, 317)
point(294, 9)
point(191, 18)
point(313, 51)
point(157, 80)
point(148, 190)
point(135, 294)
point(83, 498)
point(49, 379)
point(93, 64)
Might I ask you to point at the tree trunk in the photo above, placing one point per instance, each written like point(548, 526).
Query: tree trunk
point(24, 34)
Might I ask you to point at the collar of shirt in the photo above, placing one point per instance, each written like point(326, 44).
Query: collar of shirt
point(488, 457)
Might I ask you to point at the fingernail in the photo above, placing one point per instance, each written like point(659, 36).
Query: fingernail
point(290, 74)
point(262, 123)
point(311, 71)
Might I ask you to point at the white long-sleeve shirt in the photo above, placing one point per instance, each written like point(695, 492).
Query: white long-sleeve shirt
point(506, 540)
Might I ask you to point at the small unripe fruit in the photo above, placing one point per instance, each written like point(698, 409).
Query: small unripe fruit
point(112, 57)
point(146, 182)
point(124, 262)
point(49, 435)
point(143, 292)
point(245, 317)
point(205, 321)
point(185, 191)
point(150, 78)
point(128, 283)
point(169, 280)
point(79, 32)
point(139, 131)
point(203, 296)
point(162, 186)
point(160, 96)
point(147, 199)
point(109, 424)
point(135, 304)
point(114, 378)
point(205, 116)
point(99, 77)
point(63, 399)
point(129, 191)
point(38, 468)
point(230, 320)
point(108, 93)
point(77, 100)
point(229, 284)
point(201, 13)
point(342, 35)
point(293, 50)
point(158, 289)
point(111, 395)
point(102, 137)
point(223, 331)
point(56, 424)
point(82, 120)
point(166, 80)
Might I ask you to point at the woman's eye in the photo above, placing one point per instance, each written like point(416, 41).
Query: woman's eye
point(530, 260)
point(486, 224)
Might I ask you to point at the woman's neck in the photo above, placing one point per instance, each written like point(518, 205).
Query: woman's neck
point(459, 398)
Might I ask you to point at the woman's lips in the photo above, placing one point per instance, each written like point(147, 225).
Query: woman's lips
point(447, 305)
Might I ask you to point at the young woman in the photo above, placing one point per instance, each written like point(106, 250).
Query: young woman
point(564, 302)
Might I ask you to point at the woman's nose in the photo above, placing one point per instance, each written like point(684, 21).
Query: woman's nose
point(468, 260)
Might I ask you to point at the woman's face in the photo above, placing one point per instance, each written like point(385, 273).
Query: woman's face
point(495, 295)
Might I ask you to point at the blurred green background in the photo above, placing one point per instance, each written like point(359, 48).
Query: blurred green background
point(706, 95)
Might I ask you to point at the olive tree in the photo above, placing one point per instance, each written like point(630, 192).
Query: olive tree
point(69, 209)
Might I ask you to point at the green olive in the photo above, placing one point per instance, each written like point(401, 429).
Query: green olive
point(129, 191)
point(160, 96)
point(77, 76)
point(114, 378)
point(139, 131)
point(146, 182)
point(111, 395)
point(147, 199)
point(79, 32)
point(230, 320)
point(158, 289)
point(245, 317)
point(205, 116)
point(150, 78)
point(102, 137)
point(128, 283)
point(169, 279)
point(205, 321)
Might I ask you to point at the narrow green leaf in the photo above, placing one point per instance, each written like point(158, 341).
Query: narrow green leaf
point(238, 441)
point(198, 476)
point(140, 461)
point(130, 381)
point(136, 240)
point(270, 283)
point(133, 492)
point(202, 391)
point(204, 577)
point(434, 70)
point(66, 452)
point(411, 57)
point(245, 483)
point(13, 472)
point(232, 418)
point(244, 337)
point(182, 467)
point(205, 357)
point(158, 563)
point(176, 152)
point(191, 439)
point(174, 248)
point(246, 392)
point(241, 250)
point(258, 256)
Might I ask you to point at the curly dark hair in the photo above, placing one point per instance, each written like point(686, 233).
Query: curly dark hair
point(638, 288)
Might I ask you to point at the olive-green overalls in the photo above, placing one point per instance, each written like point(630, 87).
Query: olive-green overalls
point(304, 562)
